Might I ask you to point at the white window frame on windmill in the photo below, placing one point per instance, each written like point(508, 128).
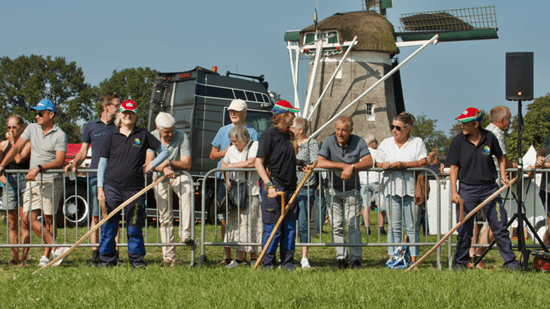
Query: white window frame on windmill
point(331, 46)
point(369, 111)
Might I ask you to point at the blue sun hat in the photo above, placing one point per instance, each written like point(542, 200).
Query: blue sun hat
point(45, 105)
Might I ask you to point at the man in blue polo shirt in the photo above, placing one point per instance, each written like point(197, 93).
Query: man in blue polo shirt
point(471, 161)
point(94, 133)
point(349, 153)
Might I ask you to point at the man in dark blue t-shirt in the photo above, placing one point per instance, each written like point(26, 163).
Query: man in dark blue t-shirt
point(348, 153)
point(471, 159)
point(94, 134)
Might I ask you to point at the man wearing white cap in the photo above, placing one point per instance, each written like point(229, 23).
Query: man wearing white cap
point(43, 191)
point(220, 144)
point(179, 159)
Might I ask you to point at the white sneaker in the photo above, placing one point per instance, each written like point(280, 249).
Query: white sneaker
point(305, 263)
point(57, 253)
point(43, 261)
point(233, 264)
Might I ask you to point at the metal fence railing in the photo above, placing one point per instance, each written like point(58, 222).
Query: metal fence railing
point(437, 216)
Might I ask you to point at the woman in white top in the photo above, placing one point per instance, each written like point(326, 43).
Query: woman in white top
point(243, 225)
point(398, 152)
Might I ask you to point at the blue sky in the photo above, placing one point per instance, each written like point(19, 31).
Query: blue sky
point(247, 37)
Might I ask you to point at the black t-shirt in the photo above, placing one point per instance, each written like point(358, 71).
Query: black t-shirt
point(278, 153)
point(126, 158)
point(475, 163)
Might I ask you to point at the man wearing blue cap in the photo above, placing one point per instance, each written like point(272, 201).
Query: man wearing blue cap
point(471, 159)
point(43, 191)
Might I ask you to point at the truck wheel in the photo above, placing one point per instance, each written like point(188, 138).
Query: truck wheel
point(74, 210)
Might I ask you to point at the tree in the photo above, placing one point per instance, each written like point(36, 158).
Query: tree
point(425, 129)
point(535, 128)
point(131, 84)
point(275, 96)
point(26, 80)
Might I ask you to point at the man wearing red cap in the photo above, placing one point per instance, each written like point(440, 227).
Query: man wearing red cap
point(471, 161)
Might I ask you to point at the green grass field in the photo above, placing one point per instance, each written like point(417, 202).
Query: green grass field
point(75, 285)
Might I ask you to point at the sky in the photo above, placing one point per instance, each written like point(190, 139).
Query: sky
point(246, 37)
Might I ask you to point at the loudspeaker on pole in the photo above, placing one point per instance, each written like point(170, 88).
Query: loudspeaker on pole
point(519, 76)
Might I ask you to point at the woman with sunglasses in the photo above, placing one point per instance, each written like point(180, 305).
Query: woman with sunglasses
point(396, 153)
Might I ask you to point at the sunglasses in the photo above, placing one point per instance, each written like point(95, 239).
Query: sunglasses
point(40, 114)
point(398, 128)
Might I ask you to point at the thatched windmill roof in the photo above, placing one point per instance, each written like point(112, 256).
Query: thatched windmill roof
point(374, 32)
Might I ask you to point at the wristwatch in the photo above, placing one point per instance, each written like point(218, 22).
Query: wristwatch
point(39, 168)
point(269, 185)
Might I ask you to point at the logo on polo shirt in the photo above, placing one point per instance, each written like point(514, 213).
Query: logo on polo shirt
point(486, 150)
point(137, 142)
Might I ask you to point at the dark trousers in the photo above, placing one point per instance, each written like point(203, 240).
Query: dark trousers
point(496, 215)
point(134, 214)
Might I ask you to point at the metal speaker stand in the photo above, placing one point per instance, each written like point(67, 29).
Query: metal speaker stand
point(520, 214)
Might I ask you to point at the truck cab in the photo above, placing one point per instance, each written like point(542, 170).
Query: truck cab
point(198, 99)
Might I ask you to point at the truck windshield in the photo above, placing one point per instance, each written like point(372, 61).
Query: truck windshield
point(258, 119)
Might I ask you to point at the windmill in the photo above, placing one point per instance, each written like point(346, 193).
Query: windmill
point(353, 66)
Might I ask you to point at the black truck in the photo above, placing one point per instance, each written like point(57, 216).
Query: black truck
point(198, 99)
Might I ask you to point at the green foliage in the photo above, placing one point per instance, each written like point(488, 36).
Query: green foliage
point(276, 96)
point(535, 128)
point(131, 84)
point(425, 129)
point(25, 80)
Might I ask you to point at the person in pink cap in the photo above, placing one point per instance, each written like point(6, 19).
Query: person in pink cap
point(471, 159)
point(276, 165)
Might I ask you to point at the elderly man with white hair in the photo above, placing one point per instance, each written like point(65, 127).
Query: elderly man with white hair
point(179, 159)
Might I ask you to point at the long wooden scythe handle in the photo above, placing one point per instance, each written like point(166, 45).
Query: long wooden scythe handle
point(97, 226)
point(470, 214)
point(283, 214)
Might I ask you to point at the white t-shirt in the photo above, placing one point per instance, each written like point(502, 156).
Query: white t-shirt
point(233, 155)
point(370, 177)
point(398, 182)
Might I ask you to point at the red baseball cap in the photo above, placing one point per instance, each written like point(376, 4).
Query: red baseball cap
point(470, 114)
point(128, 105)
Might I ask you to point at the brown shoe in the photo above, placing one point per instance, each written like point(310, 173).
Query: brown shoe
point(225, 262)
point(479, 265)
point(176, 262)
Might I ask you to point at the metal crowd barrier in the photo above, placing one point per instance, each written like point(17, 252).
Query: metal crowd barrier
point(75, 211)
point(313, 228)
point(439, 216)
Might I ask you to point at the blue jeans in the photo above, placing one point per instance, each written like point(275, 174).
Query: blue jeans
point(305, 200)
point(403, 208)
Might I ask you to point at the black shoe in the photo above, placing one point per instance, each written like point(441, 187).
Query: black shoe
point(382, 231)
point(356, 264)
point(95, 258)
point(460, 267)
point(341, 264)
point(138, 265)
